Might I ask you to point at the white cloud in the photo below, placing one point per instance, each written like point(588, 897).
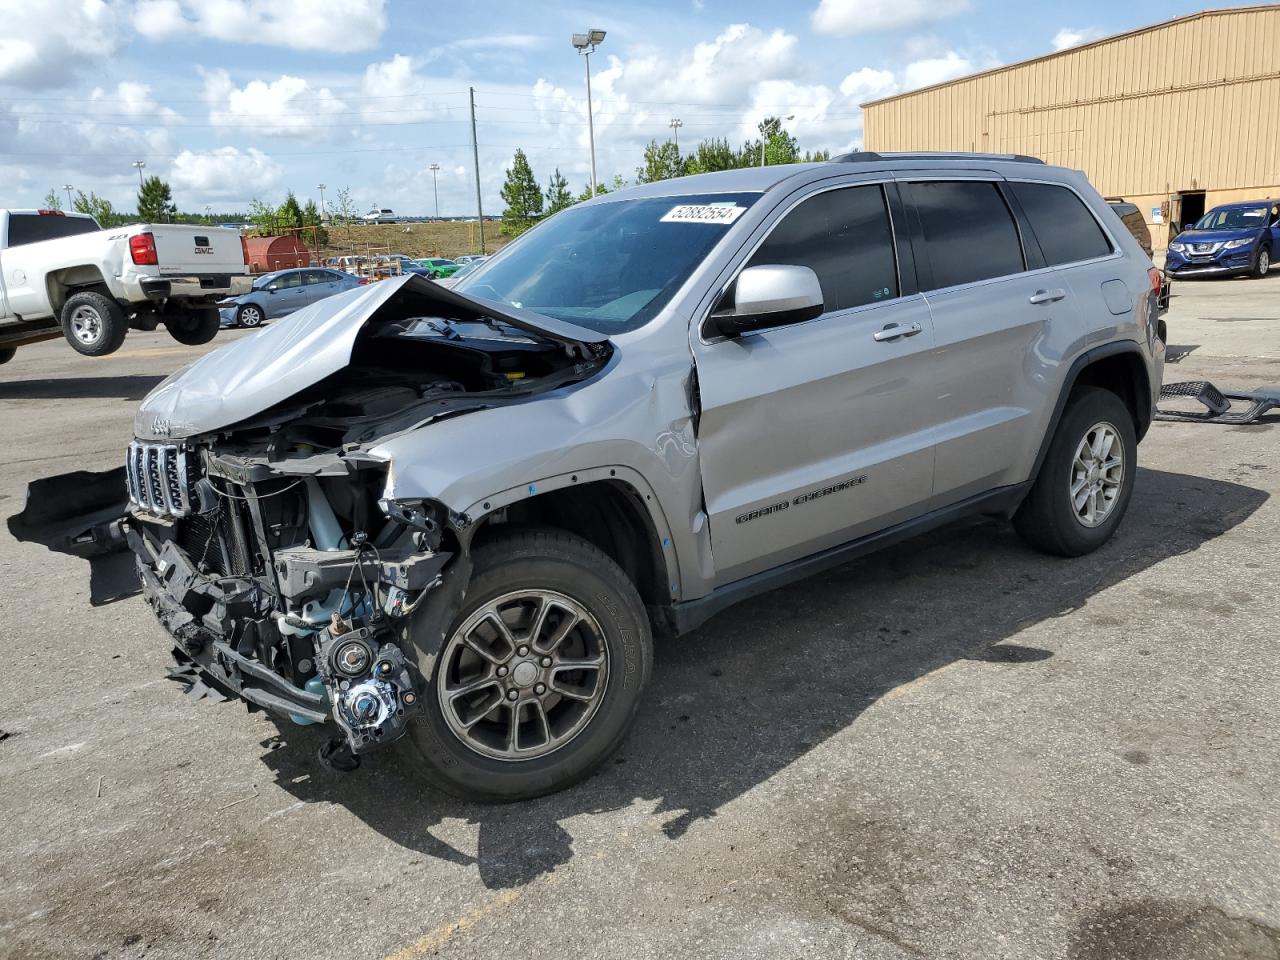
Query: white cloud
point(868, 84)
point(394, 92)
point(43, 43)
point(506, 41)
point(1072, 37)
point(131, 99)
point(338, 26)
point(223, 174)
point(848, 17)
point(924, 73)
point(287, 106)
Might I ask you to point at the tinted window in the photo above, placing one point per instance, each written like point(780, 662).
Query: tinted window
point(968, 229)
point(1062, 223)
point(317, 276)
point(34, 227)
point(844, 237)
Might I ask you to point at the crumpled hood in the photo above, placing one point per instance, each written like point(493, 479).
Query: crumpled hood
point(255, 372)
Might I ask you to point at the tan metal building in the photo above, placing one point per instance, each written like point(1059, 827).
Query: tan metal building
point(1176, 117)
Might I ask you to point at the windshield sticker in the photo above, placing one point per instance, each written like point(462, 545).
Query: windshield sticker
point(703, 213)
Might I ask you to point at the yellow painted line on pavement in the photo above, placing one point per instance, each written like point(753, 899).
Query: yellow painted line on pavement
point(438, 937)
point(149, 352)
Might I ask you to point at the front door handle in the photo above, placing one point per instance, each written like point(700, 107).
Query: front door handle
point(1048, 296)
point(896, 331)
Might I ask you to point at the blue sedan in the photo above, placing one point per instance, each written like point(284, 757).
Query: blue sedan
point(278, 294)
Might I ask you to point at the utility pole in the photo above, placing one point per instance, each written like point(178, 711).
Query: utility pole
point(475, 154)
point(435, 189)
point(68, 187)
point(321, 203)
point(675, 125)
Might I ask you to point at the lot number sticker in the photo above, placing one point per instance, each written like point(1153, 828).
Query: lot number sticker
point(703, 213)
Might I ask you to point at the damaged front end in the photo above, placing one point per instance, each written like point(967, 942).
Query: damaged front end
point(263, 539)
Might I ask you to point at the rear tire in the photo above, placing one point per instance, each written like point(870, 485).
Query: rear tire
point(6, 354)
point(1082, 492)
point(194, 326)
point(558, 739)
point(1262, 263)
point(94, 325)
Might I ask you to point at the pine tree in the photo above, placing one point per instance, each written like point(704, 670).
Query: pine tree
point(311, 220)
point(52, 201)
point(522, 197)
point(661, 162)
point(558, 196)
point(710, 156)
point(155, 201)
point(289, 215)
point(97, 207)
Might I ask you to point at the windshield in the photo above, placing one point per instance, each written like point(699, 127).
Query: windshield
point(469, 268)
point(609, 267)
point(1229, 217)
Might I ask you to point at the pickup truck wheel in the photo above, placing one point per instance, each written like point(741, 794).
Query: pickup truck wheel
point(1262, 263)
point(249, 315)
point(93, 324)
point(194, 326)
point(540, 673)
point(6, 354)
point(1087, 478)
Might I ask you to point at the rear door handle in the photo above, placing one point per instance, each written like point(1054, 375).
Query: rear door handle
point(896, 331)
point(1048, 296)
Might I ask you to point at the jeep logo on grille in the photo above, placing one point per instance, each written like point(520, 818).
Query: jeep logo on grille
point(160, 427)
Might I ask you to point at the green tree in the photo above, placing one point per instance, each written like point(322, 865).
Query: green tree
point(773, 146)
point(522, 197)
point(52, 201)
point(289, 216)
point(344, 210)
point(97, 207)
point(155, 201)
point(712, 155)
point(263, 217)
point(558, 196)
point(311, 220)
point(586, 194)
point(661, 162)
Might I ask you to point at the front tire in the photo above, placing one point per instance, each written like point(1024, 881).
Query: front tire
point(249, 315)
point(540, 673)
point(6, 354)
point(194, 326)
point(94, 325)
point(1086, 481)
point(1262, 263)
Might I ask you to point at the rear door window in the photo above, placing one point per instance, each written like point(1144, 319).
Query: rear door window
point(34, 227)
point(1067, 231)
point(968, 230)
point(845, 238)
point(317, 276)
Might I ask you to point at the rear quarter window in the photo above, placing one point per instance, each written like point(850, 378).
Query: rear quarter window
point(1067, 231)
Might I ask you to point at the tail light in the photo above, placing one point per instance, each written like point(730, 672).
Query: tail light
point(50, 213)
point(244, 249)
point(363, 281)
point(1156, 281)
point(142, 247)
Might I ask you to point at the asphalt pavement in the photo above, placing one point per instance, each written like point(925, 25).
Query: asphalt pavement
point(955, 748)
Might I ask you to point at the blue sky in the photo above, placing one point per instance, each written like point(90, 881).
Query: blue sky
point(231, 100)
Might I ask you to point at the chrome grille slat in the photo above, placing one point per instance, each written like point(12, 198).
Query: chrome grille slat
point(158, 478)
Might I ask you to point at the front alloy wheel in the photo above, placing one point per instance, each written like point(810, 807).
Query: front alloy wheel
point(523, 675)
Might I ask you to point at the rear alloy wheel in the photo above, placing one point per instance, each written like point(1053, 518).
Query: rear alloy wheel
point(539, 675)
point(1262, 265)
point(1086, 481)
point(249, 315)
point(93, 324)
point(194, 326)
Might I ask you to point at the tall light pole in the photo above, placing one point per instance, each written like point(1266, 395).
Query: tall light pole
point(208, 212)
point(435, 190)
point(68, 187)
point(675, 125)
point(139, 164)
point(321, 203)
point(585, 44)
point(789, 116)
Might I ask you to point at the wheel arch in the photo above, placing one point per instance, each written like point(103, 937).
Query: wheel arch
point(612, 508)
point(61, 284)
point(1118, 367)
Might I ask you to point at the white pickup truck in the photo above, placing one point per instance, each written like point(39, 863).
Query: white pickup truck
point(61, 275)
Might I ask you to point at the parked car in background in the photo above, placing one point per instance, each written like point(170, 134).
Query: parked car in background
point(381, 215)
point(468, 268)
point(60, 275)
point(278, 294)
point(468, 257)
point(1231, 239)
point(456, 516)
point(1134, 222)
point(438, 267)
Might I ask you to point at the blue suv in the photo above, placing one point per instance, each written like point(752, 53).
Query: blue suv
point(1233, 238)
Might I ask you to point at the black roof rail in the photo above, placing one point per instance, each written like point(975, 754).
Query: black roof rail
point(869, 156)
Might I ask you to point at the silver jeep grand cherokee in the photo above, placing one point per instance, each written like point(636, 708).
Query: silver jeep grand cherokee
point(456, 516)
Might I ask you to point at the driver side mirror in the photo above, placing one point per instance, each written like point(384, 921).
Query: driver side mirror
point(770, 295)
point(272, 288)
